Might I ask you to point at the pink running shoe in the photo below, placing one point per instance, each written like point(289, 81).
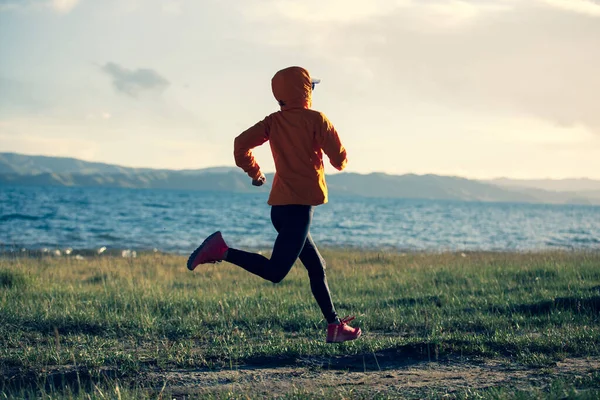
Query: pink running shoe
point(212, 250)
point(342, 332)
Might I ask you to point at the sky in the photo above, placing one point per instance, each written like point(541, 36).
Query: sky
point(475, 88)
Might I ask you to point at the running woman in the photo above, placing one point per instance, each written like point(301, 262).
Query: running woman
point(298, 136)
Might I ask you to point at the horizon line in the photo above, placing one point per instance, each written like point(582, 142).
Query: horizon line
point(329, 173)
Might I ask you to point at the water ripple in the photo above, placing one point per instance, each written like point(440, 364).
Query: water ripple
point(177, 221)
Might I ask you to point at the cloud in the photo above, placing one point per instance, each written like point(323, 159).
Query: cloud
point(352, 11)
point(60, 6)
point(331, 11)
point(173, 7)
point(64, 6)
point(17, 97)
point(496, 57)
point(90, 140)
point(533, 60)
point(134, 82)
point(589, 7)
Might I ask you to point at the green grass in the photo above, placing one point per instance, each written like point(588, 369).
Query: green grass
point(70, 327)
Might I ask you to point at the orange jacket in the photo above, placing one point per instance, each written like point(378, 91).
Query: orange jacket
point(298, 137)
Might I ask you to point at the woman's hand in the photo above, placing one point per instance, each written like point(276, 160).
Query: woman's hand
point(261, 180)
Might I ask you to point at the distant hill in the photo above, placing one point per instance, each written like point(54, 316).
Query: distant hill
point(212, 181)
point(12, 163)
point(571, 191)
point(17, 169)
point(422, 186)
point(558, 185)
point(20, 164)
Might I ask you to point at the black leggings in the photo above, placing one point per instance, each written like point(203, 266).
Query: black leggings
point(292, 223)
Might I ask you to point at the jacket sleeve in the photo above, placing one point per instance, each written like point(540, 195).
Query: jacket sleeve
point(245, 142)
point(331, 145)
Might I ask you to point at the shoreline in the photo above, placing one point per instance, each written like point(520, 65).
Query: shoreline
point(103, 251)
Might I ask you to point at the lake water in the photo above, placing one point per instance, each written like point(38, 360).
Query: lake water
point(177, 221)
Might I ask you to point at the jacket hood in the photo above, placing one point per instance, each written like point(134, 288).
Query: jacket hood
point(292, 88)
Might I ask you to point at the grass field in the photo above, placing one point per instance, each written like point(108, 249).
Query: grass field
point(475, 325)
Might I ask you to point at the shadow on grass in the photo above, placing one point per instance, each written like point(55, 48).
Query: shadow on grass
point(12, 279)
point(402, 356)
point(171, 329)
point(390, 358)
point(63, 326)
point(73, 379)
point(573, 304)
point(68, 378)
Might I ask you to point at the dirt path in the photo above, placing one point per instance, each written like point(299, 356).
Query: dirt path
point(415, 380)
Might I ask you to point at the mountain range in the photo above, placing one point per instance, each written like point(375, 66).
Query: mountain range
point(19, 170)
